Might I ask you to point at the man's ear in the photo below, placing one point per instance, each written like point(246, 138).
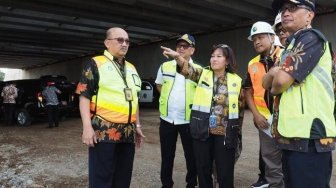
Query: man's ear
point(193, 51)
point(106, 42)
point(310, 16)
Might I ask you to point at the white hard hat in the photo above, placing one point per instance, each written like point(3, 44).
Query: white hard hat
point(277, 41)
point(260, 27)
point(277, 20)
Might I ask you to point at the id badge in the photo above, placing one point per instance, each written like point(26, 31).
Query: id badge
point(128, 94)
point(213, 121)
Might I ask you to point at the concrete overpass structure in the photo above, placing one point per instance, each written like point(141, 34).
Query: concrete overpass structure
point(57, 37)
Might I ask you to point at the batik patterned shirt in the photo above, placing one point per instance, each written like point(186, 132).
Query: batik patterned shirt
point(9, 93)
point(105, 131)
point(220, 106)
point(299, 63)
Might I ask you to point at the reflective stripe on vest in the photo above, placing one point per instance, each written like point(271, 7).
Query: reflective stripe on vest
point(168, 73)
point(313, 99)
point(111, 102)
point(204, 93)
point(234, 86)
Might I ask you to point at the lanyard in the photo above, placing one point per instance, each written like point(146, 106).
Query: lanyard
point(127, 91)
point(121, 74)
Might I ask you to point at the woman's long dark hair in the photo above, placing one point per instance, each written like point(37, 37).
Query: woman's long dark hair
point(229, 55)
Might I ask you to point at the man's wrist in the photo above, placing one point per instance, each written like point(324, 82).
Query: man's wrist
point(177, 57)
point(138, 125)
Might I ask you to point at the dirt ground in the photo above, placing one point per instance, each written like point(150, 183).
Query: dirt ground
point(36, 157)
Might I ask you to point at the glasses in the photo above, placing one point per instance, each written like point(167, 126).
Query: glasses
point(121, 40)
point(184, 46)
point(279, 29)
point(293, 7)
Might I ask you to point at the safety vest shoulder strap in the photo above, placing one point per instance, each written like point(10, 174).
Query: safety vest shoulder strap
point(256, 59)
point(234, 86)
point(130, 65)
point(207, 68)
point(320, 35)
point(168, 68)
point(166, 65)
point(197, 64)
point(100, 60)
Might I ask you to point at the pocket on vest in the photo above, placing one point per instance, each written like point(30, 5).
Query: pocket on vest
point(199, 125)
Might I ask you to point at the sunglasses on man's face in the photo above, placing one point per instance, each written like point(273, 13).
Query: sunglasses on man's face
point(183, 46)
point(121, 40)
point(293, 7)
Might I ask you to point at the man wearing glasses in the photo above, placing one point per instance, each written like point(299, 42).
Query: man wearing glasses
point(304, 125)
point(176, 96)
point(279, 30)
point(108, 104)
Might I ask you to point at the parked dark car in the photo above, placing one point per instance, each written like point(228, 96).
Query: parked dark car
point(2, 83)
point(30, 103)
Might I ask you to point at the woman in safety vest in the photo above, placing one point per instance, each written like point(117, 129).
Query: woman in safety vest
point(216, 116)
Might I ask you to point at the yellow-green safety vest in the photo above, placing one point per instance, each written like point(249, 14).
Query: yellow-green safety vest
point(204, 93)
point(111, 100)
point(168, 73)
point(312, 99)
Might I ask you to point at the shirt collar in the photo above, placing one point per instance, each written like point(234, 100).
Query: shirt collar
point(111, 57)
point(190, 61)
point(297, 33)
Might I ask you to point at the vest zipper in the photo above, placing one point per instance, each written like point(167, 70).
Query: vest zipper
point(302, 110)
